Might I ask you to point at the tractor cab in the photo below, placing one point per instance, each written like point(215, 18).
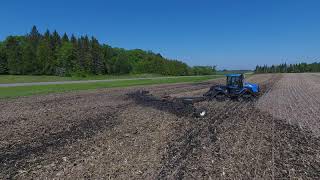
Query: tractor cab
point(234, 83)
point(235, 80)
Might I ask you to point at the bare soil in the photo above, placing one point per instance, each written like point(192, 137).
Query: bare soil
point(295, 98)
point(107, 134)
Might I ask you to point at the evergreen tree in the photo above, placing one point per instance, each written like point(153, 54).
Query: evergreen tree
point(28, 58)
point(84, 55)
point(45, 56)
point(97, 57)
point(3, 60)
point(13, 52)
point(73, 40)
point(29, 51)
point(108, 53)
point(65, 38)
point(66, 58)
point(77, 70)
point(34, 37)
point(55, 41)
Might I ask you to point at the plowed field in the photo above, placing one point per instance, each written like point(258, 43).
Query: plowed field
point(107, 134)
point(296, 98)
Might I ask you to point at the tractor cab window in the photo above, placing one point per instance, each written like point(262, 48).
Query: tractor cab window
point(234, 81)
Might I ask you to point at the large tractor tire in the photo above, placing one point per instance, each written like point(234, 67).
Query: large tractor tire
point(246, 97)
point(220, 97)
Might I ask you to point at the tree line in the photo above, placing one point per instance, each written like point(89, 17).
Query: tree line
point(52, 54)
point(291, 68)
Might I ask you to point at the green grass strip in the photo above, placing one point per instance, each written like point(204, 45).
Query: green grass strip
point(12, 92)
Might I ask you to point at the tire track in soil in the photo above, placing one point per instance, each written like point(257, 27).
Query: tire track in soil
point(186, 148)
point(18, 156)
point(206, 127)
point(180, 150)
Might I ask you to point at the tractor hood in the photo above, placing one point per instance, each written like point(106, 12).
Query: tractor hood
point(254, 87)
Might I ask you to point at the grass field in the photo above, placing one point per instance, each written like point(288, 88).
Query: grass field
point(10, 79)
point(11, 92)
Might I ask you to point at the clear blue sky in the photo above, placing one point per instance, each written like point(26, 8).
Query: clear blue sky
point(234, 34)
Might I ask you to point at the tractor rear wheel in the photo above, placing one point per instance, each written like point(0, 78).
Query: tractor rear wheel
point(246, 97)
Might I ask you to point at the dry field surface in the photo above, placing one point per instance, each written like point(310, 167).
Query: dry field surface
point(296, 98)
point(108, 134)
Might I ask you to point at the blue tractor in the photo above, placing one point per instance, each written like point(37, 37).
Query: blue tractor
point(235, 88)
